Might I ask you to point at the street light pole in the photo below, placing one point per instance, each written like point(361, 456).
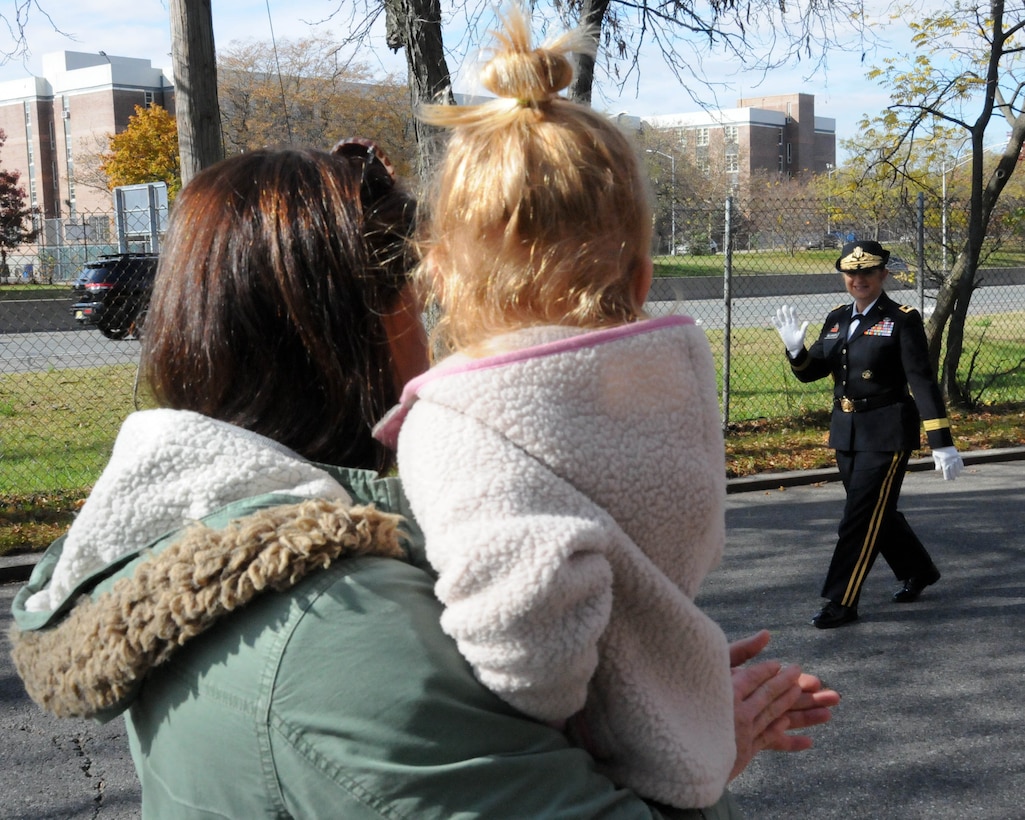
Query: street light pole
point(830, 170)
point(943, 220)
point(672, 202)
point(943, 194)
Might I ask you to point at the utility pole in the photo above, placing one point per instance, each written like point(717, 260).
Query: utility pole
point(415, 25)
point(672, 202)
point(194, 62)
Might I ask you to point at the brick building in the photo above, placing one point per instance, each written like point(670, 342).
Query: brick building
point(776, 134)
point(62, 119)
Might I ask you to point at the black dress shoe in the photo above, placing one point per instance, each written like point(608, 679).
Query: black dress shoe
point(833, 615)
point(914, 585)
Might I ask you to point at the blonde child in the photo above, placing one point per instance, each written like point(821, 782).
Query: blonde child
point(566, 460)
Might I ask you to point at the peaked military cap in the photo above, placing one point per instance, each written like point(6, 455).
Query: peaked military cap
point(862, 255)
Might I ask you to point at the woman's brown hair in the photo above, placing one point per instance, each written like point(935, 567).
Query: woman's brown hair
point(266, 311)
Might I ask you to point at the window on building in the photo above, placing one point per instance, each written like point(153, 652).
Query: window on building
point(780, 140)
point(33, 201)
point(732, 163)
point(96, 228)
point(790, 155)
point(681, 137)
point(704, 167)
point(28, 132)
point(69, 157)
point(729, 134)
point(147, 97)
point(701, 136)
point(56, 187)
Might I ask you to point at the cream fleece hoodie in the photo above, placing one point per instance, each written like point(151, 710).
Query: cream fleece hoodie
point(572, 495)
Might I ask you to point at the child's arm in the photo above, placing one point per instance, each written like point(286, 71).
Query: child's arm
point(521, 557)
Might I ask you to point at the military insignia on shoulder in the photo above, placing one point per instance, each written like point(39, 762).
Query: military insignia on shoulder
point(906, 309)
point(839, 306)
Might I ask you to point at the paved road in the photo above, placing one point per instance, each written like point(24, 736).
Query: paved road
point(84, 347)
point(40, 334)
point(35, 314)
point(50, 768)
point(932, 712)
point(756, 311)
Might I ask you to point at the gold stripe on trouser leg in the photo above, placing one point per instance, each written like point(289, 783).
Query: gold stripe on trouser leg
point(863, 563)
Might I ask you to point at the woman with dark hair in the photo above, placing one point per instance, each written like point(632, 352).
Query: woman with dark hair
point(269, 274)
point(245, 584)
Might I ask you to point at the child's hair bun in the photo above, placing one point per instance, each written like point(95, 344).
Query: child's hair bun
point(518, 71)
point(528, 76)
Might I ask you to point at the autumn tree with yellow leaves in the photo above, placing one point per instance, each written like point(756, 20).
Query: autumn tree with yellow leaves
point(961, 85)
point(146, 151)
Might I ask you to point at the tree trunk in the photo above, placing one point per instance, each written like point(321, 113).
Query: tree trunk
point(954, 295)
point(415, 25)
point(957, 394)
point(194, 63)
point(955, 292)
point(592, 13)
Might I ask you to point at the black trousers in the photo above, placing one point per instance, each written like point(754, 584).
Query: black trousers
point(872, 525)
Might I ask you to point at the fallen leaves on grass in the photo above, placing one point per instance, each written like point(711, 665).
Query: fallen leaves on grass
point(762, 446)
point(753, 447)
point(30, 522)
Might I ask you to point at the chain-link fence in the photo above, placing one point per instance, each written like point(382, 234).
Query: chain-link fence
point(66, 244)
point(737, 271)
point(65, 387)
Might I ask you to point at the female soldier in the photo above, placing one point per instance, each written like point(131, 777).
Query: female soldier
point(883, 386)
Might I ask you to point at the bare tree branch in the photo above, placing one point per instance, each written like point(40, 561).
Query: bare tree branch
point(15, 20)
point(754, 36)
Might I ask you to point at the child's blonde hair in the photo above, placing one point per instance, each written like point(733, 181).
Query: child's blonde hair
point(539, 213)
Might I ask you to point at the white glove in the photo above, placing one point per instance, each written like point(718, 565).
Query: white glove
point(789, 331)
point(948, 461)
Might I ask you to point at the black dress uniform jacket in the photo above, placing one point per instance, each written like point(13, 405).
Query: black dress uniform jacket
point(883, 384)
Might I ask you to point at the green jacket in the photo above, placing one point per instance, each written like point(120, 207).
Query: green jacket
point(283, 658)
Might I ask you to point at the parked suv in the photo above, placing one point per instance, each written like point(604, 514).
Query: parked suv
point(824, 242)
point(113, 292)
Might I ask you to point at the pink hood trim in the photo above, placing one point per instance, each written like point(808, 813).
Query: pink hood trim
point(387, 429)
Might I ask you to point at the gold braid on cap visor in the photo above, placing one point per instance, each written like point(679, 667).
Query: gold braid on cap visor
point(859, 259)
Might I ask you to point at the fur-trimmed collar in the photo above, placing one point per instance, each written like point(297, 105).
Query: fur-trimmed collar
point(96, 657)
point(170, 467)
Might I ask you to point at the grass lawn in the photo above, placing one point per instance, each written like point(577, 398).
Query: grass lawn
point(801, 261)
point(56, 433)
point(57, 427)
point(64, 423)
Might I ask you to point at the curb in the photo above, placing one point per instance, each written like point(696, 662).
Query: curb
point(18, 568)
point(797, 478)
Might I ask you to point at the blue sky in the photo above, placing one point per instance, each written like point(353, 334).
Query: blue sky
point(141, 28)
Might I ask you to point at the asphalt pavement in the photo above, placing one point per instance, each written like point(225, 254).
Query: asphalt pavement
point(932, 713)
point(931, 716)
point(50, 768)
